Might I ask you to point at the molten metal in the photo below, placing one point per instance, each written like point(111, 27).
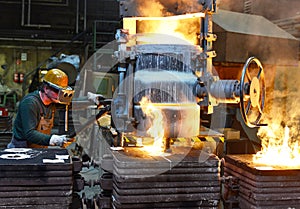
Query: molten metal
point(157, 129)
point(185, 27)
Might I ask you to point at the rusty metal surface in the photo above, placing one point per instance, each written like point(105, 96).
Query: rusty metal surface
point(244, 203)
point(52, 206)
point(261, 186)
point(203, 204)
point(135, 163)
point(171, 181)
point(161, 197)
point(261, 181)
point(140, 184)
point(134, 157)
point(170, 189)
point(245, 162)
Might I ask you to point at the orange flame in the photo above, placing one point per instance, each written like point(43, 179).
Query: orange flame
point(157, 129)
point(278, 151)
point(185, 28)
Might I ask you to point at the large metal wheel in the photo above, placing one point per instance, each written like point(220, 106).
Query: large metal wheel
point(252, 92)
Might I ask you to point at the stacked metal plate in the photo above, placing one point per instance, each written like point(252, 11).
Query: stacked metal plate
point(35, 178)
point(171, 181)
point(263, 187)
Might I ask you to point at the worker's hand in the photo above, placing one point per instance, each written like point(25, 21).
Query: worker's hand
point(95, 97)
point(68, 142)
point(57, 140)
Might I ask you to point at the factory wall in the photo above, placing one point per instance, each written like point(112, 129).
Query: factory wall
point(16, 63)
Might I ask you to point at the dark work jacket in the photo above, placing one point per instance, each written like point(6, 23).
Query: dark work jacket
point(26, 124)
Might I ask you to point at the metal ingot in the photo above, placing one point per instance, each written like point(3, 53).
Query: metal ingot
point(179, 120)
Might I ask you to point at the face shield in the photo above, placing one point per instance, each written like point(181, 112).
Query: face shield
point(64, 95)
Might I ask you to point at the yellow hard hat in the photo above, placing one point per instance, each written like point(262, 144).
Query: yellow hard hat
point(56, 78)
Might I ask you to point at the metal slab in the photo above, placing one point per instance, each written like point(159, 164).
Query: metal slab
point(134, 159)
point(33, 182)
point(263, 187)
point(192, 179)
point(57, 193)
point(269, 197)
point(35, 162)
point(28, 206)
point(168, 178)
point(168, 190)
point(30, 173)
point(269, 203)
point(280, 187)
point(204, 204)
point(159, 184)
point(36, 181)
point(245, 204)
point(33, 188)
point(257, 179)
point(12, 201)
point(245, 163)
point(142, 172)
point(161, 198)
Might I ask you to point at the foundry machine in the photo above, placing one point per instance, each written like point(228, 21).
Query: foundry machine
point(166, 82)
point(168, 60)
point(173, 69)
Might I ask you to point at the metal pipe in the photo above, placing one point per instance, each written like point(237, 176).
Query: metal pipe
point(28, 17)
point(28, 12)
point(77, 16)
point(81, 93)
point(39, 40)
point(66, 118)
point(26, 47)
point(44, 3)
point(23, 11)
point(84, 18)
point(37, 25)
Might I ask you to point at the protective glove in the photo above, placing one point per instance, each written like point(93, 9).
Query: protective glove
point(57, 140)
point(95, 97)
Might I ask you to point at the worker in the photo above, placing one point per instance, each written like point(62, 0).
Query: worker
point(34, 120)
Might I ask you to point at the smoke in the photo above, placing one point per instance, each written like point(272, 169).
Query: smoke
point(160, 8)
point(177, 7)
point(282, 101)
point(150, 8)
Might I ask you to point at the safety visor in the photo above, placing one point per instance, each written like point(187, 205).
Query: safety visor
point(65, 94)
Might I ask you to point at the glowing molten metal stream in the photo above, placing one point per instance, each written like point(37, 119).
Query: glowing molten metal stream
point(278, 152)
point(157, 129)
